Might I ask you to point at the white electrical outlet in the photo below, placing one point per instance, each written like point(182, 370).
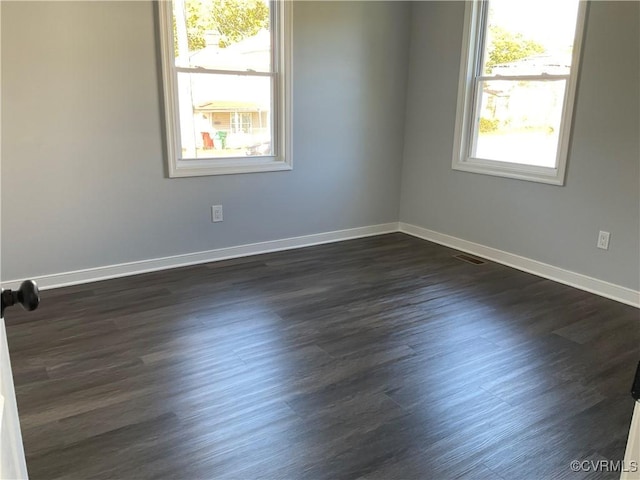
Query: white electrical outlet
point(603, 240)
point(216, 213)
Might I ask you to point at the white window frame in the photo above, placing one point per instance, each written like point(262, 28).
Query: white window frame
point(281, 40)
point(470, 74)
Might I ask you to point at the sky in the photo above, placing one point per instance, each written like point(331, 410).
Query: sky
point(549, 22)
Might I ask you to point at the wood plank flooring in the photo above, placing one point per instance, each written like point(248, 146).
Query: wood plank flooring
point(377, 358)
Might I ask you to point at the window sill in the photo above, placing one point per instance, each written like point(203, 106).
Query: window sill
point(551, 176)
point(227, 166)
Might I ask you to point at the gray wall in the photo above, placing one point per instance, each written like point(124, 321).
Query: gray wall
point(555, 225)
point(83, 181)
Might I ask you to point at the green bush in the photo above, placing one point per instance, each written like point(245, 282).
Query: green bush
point(488, 126)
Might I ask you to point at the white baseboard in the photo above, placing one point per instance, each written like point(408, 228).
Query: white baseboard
point(577, 280)
point(560, 275)
point(152, 265)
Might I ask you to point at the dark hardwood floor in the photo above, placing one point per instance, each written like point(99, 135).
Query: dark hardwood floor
point(378, 358)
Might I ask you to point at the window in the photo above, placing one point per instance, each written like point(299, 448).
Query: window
point(517, 85)
point(227, 88)
point(241, 122)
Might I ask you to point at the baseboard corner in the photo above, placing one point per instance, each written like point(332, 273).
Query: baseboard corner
point(577, 280)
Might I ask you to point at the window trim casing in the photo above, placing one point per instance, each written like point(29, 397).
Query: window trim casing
point(282, 93)
point(471, 57)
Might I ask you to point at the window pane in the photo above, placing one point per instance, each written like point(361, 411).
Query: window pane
point(224, 115)
point(519, 121)
point(222, 34)
point(529, 38)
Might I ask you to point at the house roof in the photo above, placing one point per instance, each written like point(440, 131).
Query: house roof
point(558, 64)
point(211, 92)
point(251, 54)
point(230, 92)
point(226, 105)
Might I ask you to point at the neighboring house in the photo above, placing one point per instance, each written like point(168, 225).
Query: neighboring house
point(237, 105)
point(541, 100)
